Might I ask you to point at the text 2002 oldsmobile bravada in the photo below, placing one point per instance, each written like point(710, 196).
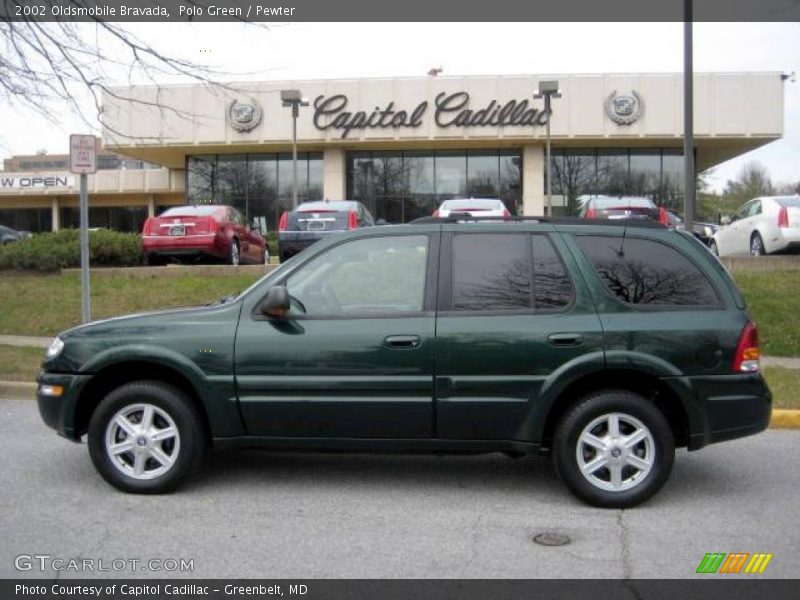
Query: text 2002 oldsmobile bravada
point(607, 343)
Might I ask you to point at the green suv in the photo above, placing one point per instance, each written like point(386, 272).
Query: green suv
point(606, 344)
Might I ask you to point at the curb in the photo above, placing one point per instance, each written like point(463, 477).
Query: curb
point(23, 390)
point(785, 419)
point(17, 390)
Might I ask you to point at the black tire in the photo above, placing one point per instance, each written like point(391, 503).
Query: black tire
point(757, 245)
point(174, 403)
point(235, 256)
point(594, 407)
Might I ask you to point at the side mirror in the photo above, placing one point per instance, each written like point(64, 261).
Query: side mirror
point(276, 304)
point(725, 220)
point(380, 222)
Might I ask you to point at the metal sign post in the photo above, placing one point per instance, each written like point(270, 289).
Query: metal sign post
point(82, 161)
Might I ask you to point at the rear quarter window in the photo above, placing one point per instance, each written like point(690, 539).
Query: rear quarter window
point(647, 272)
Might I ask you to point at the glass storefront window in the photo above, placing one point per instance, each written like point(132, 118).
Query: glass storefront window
point(402, 186)
point(118, 218)
point(34, 220)
point(200, 179)
point(258, 185)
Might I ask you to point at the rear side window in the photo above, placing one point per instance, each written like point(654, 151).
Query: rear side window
point(491, 272)
point(508, 272)
point(646, 272)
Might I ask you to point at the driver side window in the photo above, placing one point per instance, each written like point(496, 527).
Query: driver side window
point(364, 277)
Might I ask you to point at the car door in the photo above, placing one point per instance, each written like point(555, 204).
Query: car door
point(509, 316)
point(734, 238)
point(354, 358)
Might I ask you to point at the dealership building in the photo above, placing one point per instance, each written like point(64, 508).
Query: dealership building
point(402, 145)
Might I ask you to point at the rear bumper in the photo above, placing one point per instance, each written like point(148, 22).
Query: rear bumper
point(728, 407)
point(786, 239)
point(289, 247)
point(199, 244)
point(59, 412)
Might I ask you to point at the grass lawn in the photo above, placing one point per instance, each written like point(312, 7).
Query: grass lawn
point(774, 300)
point(22, 364)
point(47, 304)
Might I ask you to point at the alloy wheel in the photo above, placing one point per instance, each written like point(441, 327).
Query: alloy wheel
point(235, 254)
point(142, 441)
point(615, 452)
point(756, 245)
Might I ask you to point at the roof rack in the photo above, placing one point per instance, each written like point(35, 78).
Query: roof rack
point(456, 217)
point(468, 218)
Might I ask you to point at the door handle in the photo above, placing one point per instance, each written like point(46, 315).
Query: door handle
point(401, 341)
point(565, 339)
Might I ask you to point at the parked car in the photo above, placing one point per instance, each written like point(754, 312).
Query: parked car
point(8, 235)
point(761, 226)
point(209, 231)
point(638, 208)
point(515, 336)
point(476, 207)
point(311, 222)
point(702, 231)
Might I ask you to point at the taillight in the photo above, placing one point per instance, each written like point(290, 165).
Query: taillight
point(436, 213)
point(148, 225)
point(590, 213)
point(783, 217)
point(284, 221)
point(352, 220)
point(747, 353)
point(662, 216)
point(506, 214)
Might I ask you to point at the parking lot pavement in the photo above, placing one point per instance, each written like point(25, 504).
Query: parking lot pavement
point(265, 514)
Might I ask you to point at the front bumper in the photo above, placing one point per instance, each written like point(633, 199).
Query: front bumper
point(727, 407)
point(59, 412)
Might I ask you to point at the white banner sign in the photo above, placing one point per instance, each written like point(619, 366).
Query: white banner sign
point(35, 182)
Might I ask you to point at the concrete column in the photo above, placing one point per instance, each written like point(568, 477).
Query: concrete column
point(533, 180)
point(55, 213)
point(334, 176)
point(151, 205)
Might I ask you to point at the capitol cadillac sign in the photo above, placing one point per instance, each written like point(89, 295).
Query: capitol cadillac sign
point(39, 182)
point(448, 109)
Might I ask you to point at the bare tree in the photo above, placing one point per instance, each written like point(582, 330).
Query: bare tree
point(49, 66)
point(753, 181)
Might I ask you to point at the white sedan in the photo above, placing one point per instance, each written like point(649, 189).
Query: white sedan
point(761, 226)
point(475, 207)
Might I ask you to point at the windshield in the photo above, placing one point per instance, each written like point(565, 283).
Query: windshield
point(622, 202)
point(190, 211)
point(472, 204)
point(789, 201)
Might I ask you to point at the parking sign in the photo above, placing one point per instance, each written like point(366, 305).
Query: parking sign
point(82, 153)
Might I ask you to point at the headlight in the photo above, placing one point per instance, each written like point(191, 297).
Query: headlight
point(708, 231)
point(54, 349)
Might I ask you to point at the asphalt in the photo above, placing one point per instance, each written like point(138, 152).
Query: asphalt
point(263, 514)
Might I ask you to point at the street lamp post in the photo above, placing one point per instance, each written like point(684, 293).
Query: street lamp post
point(548, 90)
point(294, 99)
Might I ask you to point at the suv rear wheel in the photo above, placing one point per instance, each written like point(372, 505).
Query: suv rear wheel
point(145, 437)
point(614, 449)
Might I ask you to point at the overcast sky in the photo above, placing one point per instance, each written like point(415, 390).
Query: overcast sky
point(339, 50)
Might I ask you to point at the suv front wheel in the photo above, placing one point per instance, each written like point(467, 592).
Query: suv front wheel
point(614, 449)
point(146, 438)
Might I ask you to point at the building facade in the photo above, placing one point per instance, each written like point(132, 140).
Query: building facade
point(402, 145)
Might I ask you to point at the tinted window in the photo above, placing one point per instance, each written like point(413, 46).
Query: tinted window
point(362, 277)
point(552, 287)
point(647, 272)
point(491, 272)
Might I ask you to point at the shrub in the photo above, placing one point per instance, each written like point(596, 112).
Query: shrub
point(61, 250)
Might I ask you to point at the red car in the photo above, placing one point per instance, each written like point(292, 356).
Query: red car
point(196, 232)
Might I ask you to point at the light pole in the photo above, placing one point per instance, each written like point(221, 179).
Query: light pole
point(689, 191)
point(294, 99)
point(548, 90)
